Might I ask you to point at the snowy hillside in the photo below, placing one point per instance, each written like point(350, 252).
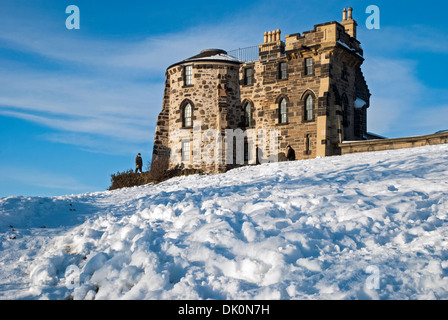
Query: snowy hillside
point(364, 226)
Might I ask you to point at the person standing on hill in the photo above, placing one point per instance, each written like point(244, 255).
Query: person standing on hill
point(291, 154)
point(138, 163)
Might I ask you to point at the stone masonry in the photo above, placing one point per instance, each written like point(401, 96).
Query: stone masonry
point(308, 89)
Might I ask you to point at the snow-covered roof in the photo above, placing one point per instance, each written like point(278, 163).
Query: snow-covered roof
point(211, 55)
point(220, 56)
point(351, 49)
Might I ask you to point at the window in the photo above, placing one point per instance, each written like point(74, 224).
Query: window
point(308, 144)
point(282, 71)
point(186, 150)
point(309, 108)
point(248, 76)
point(188, 75)
point(246, 150)
point(187, 116)
point(283, 111)
point(344, 74)
point(308, 66)
point(345, 115)
point(247, 115)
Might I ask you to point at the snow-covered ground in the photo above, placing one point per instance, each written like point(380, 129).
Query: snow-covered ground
point(362, 226)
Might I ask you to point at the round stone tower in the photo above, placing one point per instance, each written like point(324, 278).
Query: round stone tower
point(201, 100)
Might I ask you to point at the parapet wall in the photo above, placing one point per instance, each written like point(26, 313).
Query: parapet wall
point(392, 144)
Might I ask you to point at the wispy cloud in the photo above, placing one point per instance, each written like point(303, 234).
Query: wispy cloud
point(98, 89)
point(402, 103)
point(112, 89)
point(405, 39)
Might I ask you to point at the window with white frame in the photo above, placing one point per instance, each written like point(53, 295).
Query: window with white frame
point(187, 116)
point(186, 151)
point(308, 66)
point(283, 111)
point(309, 108)
point(188, 77)
point(248, 76)
point(282, 71)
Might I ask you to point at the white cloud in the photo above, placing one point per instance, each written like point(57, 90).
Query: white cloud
point(96, 87)
point(104, 145)
point(102, 88)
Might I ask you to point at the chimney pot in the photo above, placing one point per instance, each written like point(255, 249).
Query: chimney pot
point(350, 11)
point(344, 14)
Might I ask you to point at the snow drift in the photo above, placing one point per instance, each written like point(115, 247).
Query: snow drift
point(361, 226)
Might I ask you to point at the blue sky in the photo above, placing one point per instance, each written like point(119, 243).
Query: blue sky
point(78, 105)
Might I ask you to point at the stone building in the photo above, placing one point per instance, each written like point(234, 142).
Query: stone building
point(307, 91)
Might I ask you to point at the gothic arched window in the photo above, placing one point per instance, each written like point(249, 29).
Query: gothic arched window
point(187, 116)
point(282, 106)
point(247, 113)
point(309, 112)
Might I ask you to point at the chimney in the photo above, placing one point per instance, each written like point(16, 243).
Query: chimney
point(348, 22)
point(272, 47)
point(349, 11)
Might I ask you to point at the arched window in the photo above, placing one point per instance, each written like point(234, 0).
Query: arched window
point(187, 116)
point(248, 118)
point(282, 106)
point(309, 108)
point(247, 114)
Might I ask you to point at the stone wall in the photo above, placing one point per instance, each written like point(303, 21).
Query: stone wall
point(219, 93)
point(268, 90)
point(392, 144)
point(214, 96)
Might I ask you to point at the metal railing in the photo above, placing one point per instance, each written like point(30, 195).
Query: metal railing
point(245, 54)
